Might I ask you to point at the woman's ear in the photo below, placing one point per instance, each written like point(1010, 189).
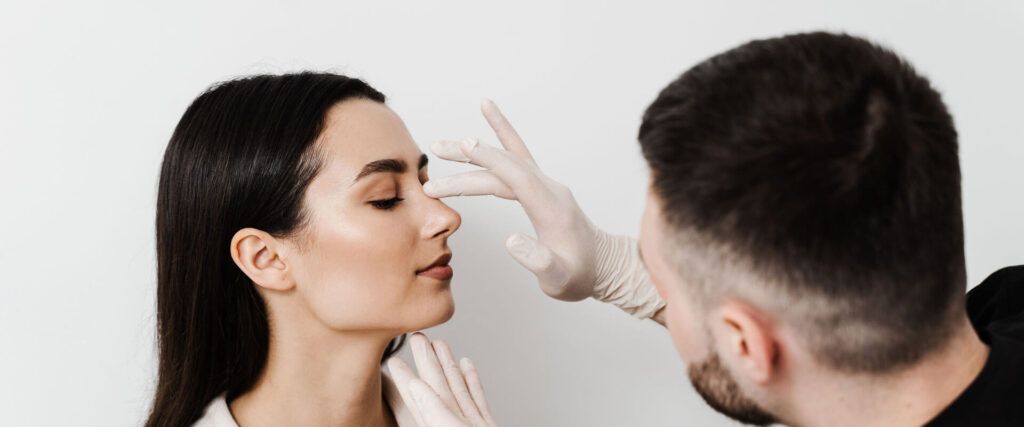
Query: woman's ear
point(257, 254)
point(749, 340)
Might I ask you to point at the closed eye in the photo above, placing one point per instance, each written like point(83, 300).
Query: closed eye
point(386, 204)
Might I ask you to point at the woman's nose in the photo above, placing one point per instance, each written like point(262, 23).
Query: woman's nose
point(442, 220)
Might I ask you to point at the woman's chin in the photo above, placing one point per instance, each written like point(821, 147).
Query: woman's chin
point(439, 311)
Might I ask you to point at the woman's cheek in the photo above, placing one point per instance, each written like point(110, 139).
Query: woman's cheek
point(380, 261)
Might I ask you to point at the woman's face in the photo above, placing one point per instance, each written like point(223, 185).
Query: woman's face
point(373, 253)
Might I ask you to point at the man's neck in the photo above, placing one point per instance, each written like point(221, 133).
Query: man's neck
point(330, 379)
point(912, 396)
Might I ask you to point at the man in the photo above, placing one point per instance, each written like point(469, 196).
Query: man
point(803, 224)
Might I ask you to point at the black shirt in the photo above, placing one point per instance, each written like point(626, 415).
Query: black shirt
point(996, 397)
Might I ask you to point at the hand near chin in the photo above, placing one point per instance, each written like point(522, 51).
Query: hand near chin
point(446, 393)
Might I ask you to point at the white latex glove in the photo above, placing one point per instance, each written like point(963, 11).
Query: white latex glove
point(445, 394)
point(572, 258)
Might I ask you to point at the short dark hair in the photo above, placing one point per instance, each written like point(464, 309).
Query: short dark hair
point(830, 166)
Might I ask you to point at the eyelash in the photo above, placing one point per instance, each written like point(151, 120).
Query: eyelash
point(386, 204)
point(389, 204)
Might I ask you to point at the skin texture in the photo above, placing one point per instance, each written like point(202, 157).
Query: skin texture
point(747, 363)
point(687, 326)
point(346, 283)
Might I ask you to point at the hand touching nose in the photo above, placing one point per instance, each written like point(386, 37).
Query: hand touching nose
point(571, 258)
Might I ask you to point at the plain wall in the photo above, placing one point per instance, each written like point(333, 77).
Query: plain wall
point(90, 92)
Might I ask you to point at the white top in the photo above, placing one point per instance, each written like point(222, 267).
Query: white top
point(217, 413)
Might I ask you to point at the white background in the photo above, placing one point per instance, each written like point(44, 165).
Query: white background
point(90, 92)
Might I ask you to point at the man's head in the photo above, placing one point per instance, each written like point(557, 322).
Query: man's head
point(804, 200)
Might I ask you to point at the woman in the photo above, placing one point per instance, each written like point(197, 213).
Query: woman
point(294, 244)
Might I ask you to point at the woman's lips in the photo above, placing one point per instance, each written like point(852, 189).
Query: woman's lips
point(440, 272)
point(439, 269)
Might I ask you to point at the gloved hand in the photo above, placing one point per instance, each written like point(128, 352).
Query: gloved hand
point(572, 258)
point(445, 394)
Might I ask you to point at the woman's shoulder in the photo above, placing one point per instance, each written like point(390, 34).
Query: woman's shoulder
point(216, 414)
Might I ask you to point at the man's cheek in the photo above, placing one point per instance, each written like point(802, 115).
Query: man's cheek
point(660, 288)
point(686, 327)
point(678, 331)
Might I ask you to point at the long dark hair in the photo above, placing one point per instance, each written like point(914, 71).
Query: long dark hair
point(241, 156)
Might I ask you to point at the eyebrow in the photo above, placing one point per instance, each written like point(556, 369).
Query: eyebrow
point(389, 166)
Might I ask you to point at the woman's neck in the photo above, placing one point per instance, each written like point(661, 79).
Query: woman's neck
point(323, 379)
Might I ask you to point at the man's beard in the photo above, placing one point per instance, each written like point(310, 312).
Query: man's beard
point(718, 388)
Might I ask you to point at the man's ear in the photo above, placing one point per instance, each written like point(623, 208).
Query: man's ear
point(749, 339)
point(257, 254)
